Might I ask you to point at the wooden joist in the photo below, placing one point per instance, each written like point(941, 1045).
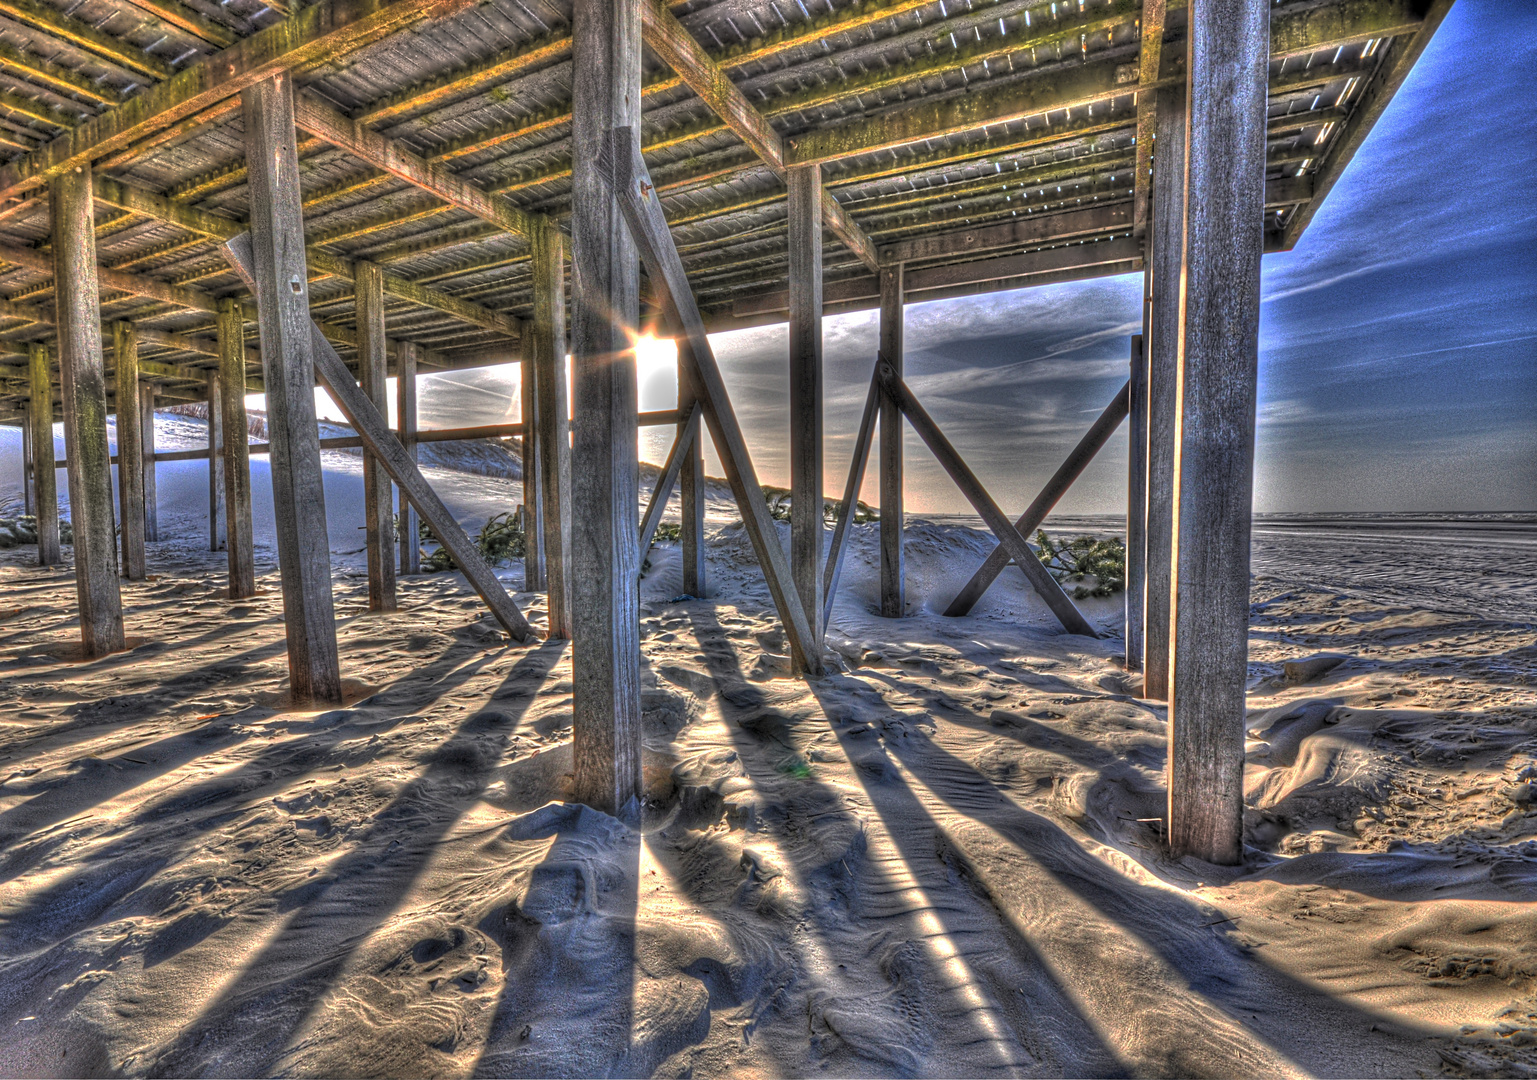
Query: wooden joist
point(324, 31)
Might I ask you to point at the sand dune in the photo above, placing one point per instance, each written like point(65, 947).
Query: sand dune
point(938, 860)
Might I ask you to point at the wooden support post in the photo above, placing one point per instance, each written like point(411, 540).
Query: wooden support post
point(692, 493)
point(216, 515)
point(605, 314)
point(553, 435)
point(1167, 237)
point(237, 453)
point(85, 413)
point(533, 481)
point(682, 446)
point(147, 393)
point(130, 450)
point(806, 561)
point(893, 591)
point(405, 423)
point(1136, 502)
point(45, 479)
point(378, 497)
point(1228, 52)
point(28, 496)
point(288, 370)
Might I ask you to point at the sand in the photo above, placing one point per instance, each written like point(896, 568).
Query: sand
point(943, 859)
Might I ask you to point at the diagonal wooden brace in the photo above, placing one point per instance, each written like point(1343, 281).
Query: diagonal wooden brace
point(850, 494)
point(1071, 618)
point(687, 433)
point(1091, 443)
point(642, 212)
point(380, 441)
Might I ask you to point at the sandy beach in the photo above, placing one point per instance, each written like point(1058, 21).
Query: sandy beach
point(943, 859)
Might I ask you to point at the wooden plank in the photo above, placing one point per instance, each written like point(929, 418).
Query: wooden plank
point(405, 421)
point(238, 544)
point(375, 436)
point(1165, 255)
point(676, 46)
point(130, 447)
point(534, 579)
point(1214, 452)
point(642, 211)
point(44, 479)
point(681, 448)
point(1149, 59)
point(605, 313)
point(324, 31)
point(1136, 502)
point(147, 393)
point(87, 38)
point(805, 273)
point(553, 435)
point(378, 496)
point(1011, 541)
point(1093, 440)
point(85, 415)
point(693, 494)
point(329, 125)
point(893, 587)
point(216, 516)
point(279, 279)
point(851, 489)
point(1371, 102)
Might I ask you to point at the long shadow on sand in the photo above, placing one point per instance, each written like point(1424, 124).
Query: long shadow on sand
point(1147, 941)
point(1003, 1006)
point(249, 1026)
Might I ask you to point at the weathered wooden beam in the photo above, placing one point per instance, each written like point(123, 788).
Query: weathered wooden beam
point(534, 578)
point(605, 313)
point(147, 457)
point(87, 38)
point(642, 211)
point(28, 494)
point(806, 498)
point(552, 428)
point(326, 123)
point(280, 281)
point(1371, 101)
point(1214, 462)
point(378, 497)
point(128, 197)
point(1008, 538)
point(1071, 468)
point(130, 450)
point(216, 515)
point(892, 514)
point(1023, 231)
point(678, 49)
point(1136, 503)
point(667, 479)
point(238, 544)
point(1149, 60)
point(857, 464)
point(693, 493)
point(85, 416)
point(325, 31)
point(1294, 33)
point(44, 480)
point(1165, 258)
point(405, 426)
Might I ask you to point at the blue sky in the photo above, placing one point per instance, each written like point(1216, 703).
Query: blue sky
point(1398, 342)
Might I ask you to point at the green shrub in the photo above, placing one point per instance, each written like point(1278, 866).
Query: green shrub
point(668, 532)
point(1104, 560)
point(501, 537)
